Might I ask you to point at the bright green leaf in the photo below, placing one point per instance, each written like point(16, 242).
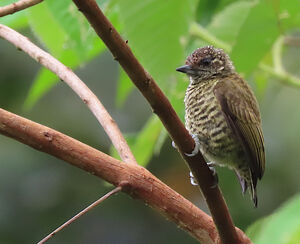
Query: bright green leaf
point(289, 14)
point(154, 30)
point(66, 35)
point(231, 18)
point(144, 144)
point(125, 86)
point(282, 227)
point(255, 38)
point(17, 20)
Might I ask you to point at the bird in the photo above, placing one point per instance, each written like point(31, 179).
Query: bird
point(223, 117)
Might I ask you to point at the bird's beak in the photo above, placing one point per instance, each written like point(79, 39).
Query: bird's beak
point(184, 69)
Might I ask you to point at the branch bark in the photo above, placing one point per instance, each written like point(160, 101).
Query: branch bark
point(133, 179)
point(77, 85)
point(162, 107)
point(17, 6)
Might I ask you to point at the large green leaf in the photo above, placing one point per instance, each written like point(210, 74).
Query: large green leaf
point(154, 30)
point(288, 14)
point(256, 37)
point(66, 34)
point(282, 227)
point(230, 18)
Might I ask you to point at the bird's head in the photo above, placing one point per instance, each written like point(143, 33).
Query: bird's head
point(207, 63)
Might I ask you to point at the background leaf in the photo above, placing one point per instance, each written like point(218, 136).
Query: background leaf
point(66, 35)
point(144, 143)
point(230, 18)
point(154, 30)
point(282, 227)
point(255, 39)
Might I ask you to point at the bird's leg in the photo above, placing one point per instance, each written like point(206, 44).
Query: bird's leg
point(196, 148)
point(211, 166)
point(193, 179)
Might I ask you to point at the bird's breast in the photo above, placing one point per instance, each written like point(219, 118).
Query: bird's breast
point(204, 117)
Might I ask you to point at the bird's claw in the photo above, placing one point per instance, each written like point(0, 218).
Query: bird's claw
point(174, 145)
point(193, 179)
point(214, 173)
point(196, 148)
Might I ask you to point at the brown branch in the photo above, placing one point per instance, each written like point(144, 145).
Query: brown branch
point(133, 179)
point(84, 211)
point(77, 85)
point(17, 6)
point(162, 107)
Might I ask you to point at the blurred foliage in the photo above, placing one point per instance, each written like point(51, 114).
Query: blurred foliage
point(158, 33)
point(282, 227)
point(161, 35)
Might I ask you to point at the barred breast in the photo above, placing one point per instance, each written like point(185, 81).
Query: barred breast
point(204, 118)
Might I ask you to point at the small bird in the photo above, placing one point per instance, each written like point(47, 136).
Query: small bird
point(222, 115)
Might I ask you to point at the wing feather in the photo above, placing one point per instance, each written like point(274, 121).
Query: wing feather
point(241, 111)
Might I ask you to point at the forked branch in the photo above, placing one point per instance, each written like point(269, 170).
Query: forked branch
point(77, 85)
point(162, 107)
point(133, 179)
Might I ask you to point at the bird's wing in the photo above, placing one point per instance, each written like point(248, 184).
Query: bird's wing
point(242, 114)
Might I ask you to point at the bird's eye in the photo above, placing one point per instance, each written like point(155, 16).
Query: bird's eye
point(206, 61)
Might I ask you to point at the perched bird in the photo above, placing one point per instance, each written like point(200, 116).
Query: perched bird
point(222, 115)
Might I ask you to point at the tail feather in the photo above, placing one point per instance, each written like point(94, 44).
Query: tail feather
point(246, 182)
point(253, 192)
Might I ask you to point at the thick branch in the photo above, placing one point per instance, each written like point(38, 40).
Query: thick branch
point(17, 6)
point(77, 85)
point(162, 107)
point(134, 179)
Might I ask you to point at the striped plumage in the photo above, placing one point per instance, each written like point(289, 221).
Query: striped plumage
point(221, 110)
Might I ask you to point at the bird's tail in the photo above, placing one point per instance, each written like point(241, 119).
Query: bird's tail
point(246, 180)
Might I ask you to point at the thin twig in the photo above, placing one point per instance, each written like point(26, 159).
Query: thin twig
point(84, 211)
point(17, 6)
point(78, 86)
point(162, 107)
point(134, 179)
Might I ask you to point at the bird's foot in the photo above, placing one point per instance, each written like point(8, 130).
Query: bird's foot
point(211, 166)
point(174, 145)
point(196, 148)
point(193, 179)
point(214, 173)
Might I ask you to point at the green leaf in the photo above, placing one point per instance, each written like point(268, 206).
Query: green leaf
point(125, 86)
point(230, 18)
point(44, 81)
point(47, 29)
point(207, 8)
point(143, 144)
point(78, 32)
point(66, 35)
point(288, 14)
point(261, 79)
point(255, 38)
point(155, 30)
point(282, 227)
point(17, 20)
